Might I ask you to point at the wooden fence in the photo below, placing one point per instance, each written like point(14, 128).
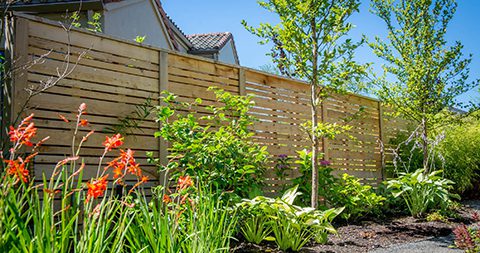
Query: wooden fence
point(115, 76)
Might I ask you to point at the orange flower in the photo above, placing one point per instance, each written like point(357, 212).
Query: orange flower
point(97, 188)
point(166, 199)
point(16, 168)
point(63, 118)
point(117, 168)
point(113, 142)
point(83, 123)
point(24, 132)
point(184, 182)
point(135, 169)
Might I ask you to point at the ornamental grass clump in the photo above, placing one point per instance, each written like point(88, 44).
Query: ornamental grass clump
point(64, 214)
point(190, 219)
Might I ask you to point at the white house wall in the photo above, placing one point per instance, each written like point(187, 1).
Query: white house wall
point(127, 19)
point(226, 54)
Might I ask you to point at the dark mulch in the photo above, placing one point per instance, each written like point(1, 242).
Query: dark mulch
point(369, 235)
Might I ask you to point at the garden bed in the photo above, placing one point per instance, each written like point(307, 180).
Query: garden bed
point(370, 235)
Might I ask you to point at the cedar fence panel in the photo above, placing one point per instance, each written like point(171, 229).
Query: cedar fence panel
point(116, 75)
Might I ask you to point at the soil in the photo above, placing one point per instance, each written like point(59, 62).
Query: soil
point(370, 235)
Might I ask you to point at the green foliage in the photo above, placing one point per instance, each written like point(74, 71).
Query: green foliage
point(310, 43)
point(189, 220)
point(304, 181)
point(209, 226)
point(219, 150)
point(93, 25)
point(292, 226)
point(460, 151)
point(256, 226)
point(307, 25)
point(140, 39)
point(422, 192)
point(358, 199)
point(425, 73)
point(436, 216)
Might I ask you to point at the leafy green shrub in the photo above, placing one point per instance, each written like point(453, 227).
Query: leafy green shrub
point(358, 199)
point(217, 148)
point(422, 192)
point(292, 226)
point(461, 151)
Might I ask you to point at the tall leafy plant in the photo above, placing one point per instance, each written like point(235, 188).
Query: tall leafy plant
point(427, 73)
point(310, 43)
point(217, 148)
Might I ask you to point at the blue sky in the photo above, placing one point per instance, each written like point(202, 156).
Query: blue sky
point(194, 16)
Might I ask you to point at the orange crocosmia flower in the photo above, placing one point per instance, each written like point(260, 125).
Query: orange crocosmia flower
point(135, 169)
point(83, 123)
point(63, 118)
point(25, 131)
point(166, 199)
point(118, 171)
point(97, 188)
point(16, 168)
point(113, 142)
point(184, 182)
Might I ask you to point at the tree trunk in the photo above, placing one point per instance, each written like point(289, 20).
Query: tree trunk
point(314, 104)
point(425, 145)
point(314, 202)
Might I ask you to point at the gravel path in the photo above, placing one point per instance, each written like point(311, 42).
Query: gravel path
point(434, 245)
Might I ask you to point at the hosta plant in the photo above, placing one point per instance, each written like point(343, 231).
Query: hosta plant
point(292, 226)
point(422, 191)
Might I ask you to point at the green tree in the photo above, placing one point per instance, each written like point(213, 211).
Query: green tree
point(426, 73)
point(309, 43)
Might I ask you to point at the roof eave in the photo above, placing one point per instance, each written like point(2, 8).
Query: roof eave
point(57, 7)
point(204, 51)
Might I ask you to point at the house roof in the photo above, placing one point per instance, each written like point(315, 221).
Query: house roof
point(172, 28)
point(51, 5)
point(197, 43)
point(209, 41)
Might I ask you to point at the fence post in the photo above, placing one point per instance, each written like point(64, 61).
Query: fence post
point(13, 93)
point(241, 82)
point(18, 62)
point(163, 85)
point(381, 139)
